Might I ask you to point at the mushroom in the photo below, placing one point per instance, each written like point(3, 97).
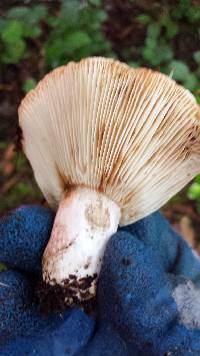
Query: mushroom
point(108, 145)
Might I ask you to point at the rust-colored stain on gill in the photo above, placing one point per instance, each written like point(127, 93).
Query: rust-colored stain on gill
point(193, 139)
point(100, 135)
point(64, 180)
point(127, 198)
point(111, 179)
point(101, 187)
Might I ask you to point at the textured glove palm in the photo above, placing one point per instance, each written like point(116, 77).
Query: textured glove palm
point(148, 301)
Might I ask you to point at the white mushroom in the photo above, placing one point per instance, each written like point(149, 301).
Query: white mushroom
point(108, 145)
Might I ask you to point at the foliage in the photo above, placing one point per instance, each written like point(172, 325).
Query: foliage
point(20, 24)
point(75, 33)
point(72, 33)
point(153, 36)
point(29, 84)
point(164, 36)
point(194, 192)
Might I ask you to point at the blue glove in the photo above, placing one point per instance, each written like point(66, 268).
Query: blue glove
point(148, 300)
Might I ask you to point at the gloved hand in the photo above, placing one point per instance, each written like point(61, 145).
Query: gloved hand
point(148, 300)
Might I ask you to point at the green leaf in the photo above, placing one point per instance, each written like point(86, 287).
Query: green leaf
point(133, 64)
point(182, 9)
point(22, 189)
point(158, 53)
point(144, 19)
point(18, 12)
point(153, 31)
point(25, 21)
point(70, 12)
point(29, 19)
point(2, 24)
point(12, 32)
point(53, 52)
point(196, 56)
point(180, 70)
point(198, 99)
point(14, 52)
point(197, 179)
point(76, 40)
point(29, 84)
point(100, 16)
point(193, 14)
point(156, 50)
point(53, 21)
point(33, 14)
point(95, 2)
point(164, 52)
point(191, 82)
point(151, 43)
point(170, 26)
point(38, 12)
point(31, 31)
point(194, 191)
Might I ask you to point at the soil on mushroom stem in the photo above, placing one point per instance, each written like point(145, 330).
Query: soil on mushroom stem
point(51, 299)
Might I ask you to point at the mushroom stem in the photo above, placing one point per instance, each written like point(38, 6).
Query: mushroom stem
point(84, 222)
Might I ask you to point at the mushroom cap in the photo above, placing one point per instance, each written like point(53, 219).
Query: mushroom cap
point(133, 134)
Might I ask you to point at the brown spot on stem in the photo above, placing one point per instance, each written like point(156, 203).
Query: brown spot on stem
point(97, 216)
point(88, 263)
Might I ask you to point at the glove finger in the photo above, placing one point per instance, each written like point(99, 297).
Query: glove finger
point(18, 313)
point(24, 234)
point(107, 342)
point(24, 330)
point(168, 246)
point(134, 294)
point(67, 337)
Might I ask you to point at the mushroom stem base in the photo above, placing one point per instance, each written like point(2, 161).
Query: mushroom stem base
point(84, 222)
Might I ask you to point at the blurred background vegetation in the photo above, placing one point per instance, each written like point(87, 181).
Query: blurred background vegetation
point(37, 36)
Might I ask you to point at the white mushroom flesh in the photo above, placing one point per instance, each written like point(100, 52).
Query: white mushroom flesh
point(84, 222)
